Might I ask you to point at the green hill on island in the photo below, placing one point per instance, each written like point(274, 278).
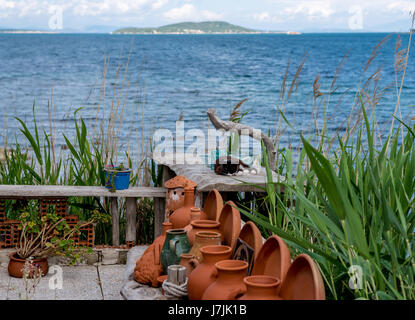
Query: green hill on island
point(190, 27)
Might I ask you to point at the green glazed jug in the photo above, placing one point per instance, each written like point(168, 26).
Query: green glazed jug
point(175, 245)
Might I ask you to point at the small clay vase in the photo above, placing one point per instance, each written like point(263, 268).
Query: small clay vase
point(203, 239)
point(175, 245)
point(148, 268)
point(213, 205)
point(202, 225)
point(205, 273)
point(229, 284)
point(230, 224)
point(273, 259)
point(195, 214)
point(181, 217)
point(261, 288)
point(188, 261)
point(303, 281)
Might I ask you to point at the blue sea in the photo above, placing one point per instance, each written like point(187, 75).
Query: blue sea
point(173, 75)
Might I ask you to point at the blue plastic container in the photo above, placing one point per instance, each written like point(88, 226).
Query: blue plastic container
point(121, 179)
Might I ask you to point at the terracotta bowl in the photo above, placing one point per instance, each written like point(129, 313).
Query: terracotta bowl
point(273, 259)
point(303, 281)
point(213, 205)
point(230, 224)
point(251, 235)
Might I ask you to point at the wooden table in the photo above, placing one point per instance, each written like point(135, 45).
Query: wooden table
point(206, 179)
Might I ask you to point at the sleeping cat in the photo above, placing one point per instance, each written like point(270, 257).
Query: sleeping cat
point(228, 165)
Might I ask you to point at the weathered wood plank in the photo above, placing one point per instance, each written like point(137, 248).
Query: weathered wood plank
point(131, 220)
point(115, 222)
point(159, 215)
point(207, 179)
point(29, 191)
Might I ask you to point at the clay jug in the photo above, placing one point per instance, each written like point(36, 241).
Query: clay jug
point(205, 273)
point(229, 284)
point(181, 217)
point(203, 239)
point(148, 268)
point(261, 288)
point(175, 245)
point(188, 261)
point(303, 281)
point(203, 225)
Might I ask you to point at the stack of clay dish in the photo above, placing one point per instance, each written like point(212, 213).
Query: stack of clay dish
point(273, 259)
point(251, 235)
point(205, 273)
point(213, 205)
point(303, 281)
point(230, 224)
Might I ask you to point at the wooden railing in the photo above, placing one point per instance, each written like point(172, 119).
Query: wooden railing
point(131, 195)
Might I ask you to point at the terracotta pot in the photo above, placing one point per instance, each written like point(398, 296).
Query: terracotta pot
point(303, 281)
point(203, 239)
point(273, 259)
point(205, 273)
point(203, 225)
point(229, 284)
point(261, 288)
point(175, 245)
point(213, 205)
point(230, 224)
point(251, 235)
point(16, 265)
point(188, 261)
point(181, 217)
point(148, 268)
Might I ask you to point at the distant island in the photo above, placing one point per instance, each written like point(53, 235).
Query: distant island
point(206, 27)
point(26, 31)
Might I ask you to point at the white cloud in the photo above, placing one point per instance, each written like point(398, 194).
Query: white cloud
point(158, 4)
point(188, 11)
point(263, 16)
point(311, 9)
point(403, 6)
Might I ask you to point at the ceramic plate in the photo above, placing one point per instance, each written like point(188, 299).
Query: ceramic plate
point(273, 259)
point(213, 205)
point(230, 224)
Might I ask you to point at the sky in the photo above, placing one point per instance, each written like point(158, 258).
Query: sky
point(274, 15)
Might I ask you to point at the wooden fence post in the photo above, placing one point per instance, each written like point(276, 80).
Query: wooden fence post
point(131, 221)
point(115, 222)
point(159, 215)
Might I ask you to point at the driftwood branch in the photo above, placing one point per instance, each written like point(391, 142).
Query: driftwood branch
point(242, 128)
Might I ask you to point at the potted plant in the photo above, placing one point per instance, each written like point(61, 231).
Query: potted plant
point(40, 237)
point(117, 178)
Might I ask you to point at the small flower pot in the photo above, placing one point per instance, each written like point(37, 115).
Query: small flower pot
point(118, 180)
point(16, 265)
